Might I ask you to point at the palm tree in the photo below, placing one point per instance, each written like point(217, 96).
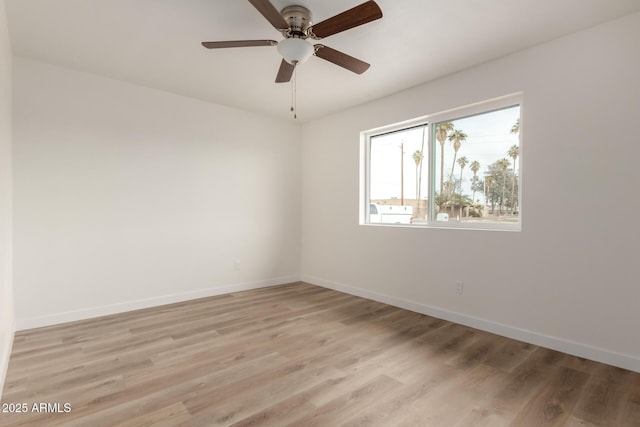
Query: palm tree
point(417, 157)
point(488, 182)
point(442, 131)
point(475, 167)
point(463, 201)
point(462, 162)
point(515, 129)
point(513, 152)
point(441, 200)
point(457, 137)
point(504, 165)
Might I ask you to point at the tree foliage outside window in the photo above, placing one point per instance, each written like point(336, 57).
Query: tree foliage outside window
point(463, 170)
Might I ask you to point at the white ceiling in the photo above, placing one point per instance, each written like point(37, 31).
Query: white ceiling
point(156, 43)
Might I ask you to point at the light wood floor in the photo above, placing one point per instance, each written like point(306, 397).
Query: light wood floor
point(302, 355)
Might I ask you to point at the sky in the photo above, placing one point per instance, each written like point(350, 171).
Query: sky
point(489, 138)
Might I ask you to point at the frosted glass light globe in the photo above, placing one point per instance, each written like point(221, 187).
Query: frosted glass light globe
point(295, 51)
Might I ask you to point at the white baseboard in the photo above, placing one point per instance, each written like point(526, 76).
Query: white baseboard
point(88, 313)
point(566, 346)
point(4, 358)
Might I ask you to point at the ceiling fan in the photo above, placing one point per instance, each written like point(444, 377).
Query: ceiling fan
point(295, 25)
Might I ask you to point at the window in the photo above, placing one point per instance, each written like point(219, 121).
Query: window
point(456, 169)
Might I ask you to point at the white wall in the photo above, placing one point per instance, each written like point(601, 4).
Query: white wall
point(127, 197)
point(6, 287)
point(568, 280)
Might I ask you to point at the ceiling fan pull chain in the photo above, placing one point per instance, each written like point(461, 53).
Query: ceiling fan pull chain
point(294, 93)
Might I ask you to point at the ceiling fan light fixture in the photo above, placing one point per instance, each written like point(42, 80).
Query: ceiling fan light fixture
point(295, 50)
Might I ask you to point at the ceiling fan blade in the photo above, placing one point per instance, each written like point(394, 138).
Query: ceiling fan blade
point(270, 13)
point(239, 43)
point(341, 59)
point(285, 72)
point(359, 15)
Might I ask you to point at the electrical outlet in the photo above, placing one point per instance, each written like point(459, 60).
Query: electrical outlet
point(459, 287)
point(236, 265)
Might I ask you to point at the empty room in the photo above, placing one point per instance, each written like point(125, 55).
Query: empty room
point(331, 213)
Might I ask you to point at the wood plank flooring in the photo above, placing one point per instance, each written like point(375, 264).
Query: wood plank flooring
point(301, 355)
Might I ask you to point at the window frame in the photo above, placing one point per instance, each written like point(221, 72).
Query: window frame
point(483, 107)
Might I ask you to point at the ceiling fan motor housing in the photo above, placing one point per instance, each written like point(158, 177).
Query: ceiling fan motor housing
point(299, 20)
